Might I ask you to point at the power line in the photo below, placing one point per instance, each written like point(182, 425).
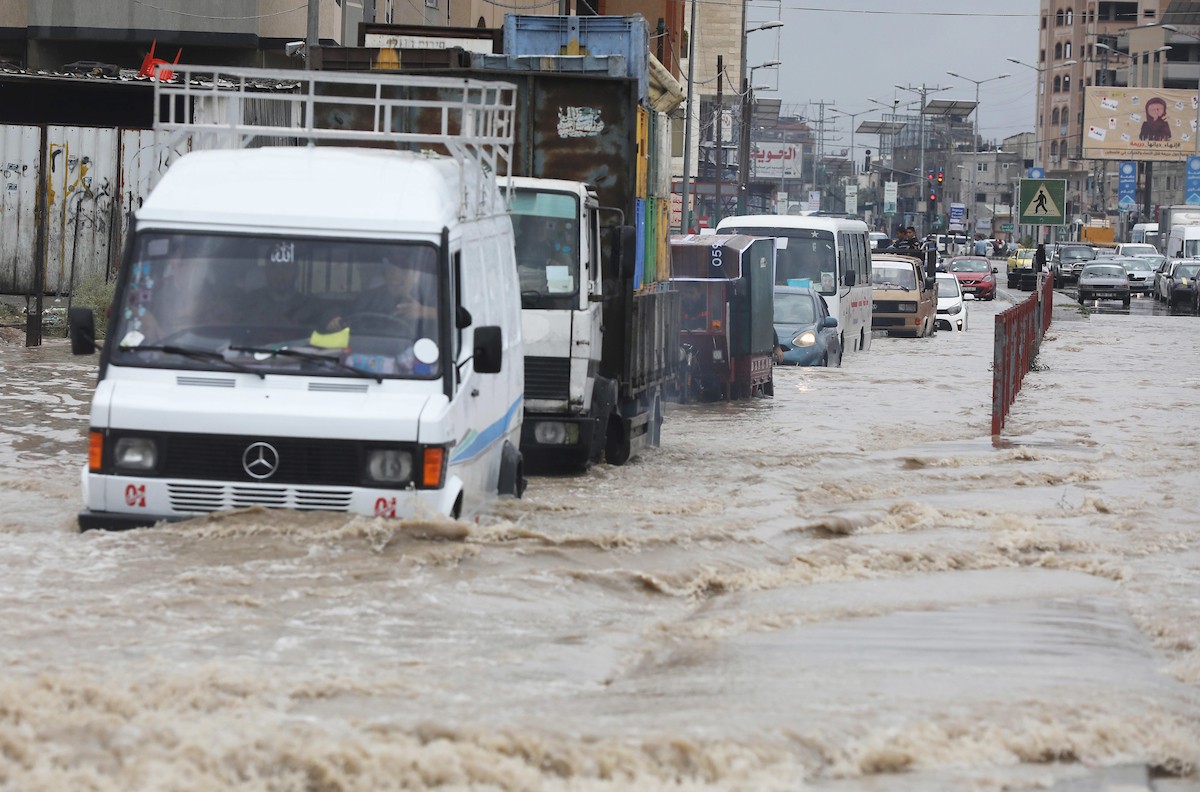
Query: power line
point(974, 14)
point(223, 18)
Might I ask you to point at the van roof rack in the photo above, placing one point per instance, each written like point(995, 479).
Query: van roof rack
point(209, 107)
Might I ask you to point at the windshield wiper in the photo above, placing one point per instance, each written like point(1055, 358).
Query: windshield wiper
point(298, 353)
point(194, 354)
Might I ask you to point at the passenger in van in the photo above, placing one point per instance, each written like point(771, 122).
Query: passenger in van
point(277, 303)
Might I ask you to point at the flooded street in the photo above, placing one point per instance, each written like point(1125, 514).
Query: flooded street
point(846, 587)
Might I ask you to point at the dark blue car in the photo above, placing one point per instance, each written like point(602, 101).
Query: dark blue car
point(804, 328)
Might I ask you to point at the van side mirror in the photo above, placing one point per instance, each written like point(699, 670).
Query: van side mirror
point(931, 283)
point(82, 325)
point(624, 247)
point(829, 321)
point(489, 351)
point(850, 278)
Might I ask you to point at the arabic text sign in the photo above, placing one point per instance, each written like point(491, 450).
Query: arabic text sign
point(777, 160)
point(958, 215)
point(889, 197)
point(1139, 123)
point(851, 199)
point(1191, 189)
point(1127, 185)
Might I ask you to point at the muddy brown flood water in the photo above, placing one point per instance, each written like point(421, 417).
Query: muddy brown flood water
point(846, 587)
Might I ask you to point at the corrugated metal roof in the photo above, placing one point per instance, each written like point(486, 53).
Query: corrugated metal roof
point(1182, 12)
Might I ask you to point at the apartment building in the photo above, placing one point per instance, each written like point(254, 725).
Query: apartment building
point(1102, 42)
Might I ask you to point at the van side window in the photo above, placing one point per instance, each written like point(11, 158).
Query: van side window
point(851, 260)
point(858, 243)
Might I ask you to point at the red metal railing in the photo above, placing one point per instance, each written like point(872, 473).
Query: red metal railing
point(1019, 332)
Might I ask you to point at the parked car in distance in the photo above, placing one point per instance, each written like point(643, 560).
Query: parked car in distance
point(879, 240)
point(1136, 249)
point(1068, 261)
point(904, 300)
point(1104, 280)
point(1141, 274)
point(805, 331)
point(974, 274)
point(1021, 259)
point(951, 303)
point(1178, 283)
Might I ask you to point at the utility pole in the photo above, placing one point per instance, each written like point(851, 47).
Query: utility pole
point(819, 145)
point(685, 214)
point(718, 213)
point(743, 193)
point(313, 39)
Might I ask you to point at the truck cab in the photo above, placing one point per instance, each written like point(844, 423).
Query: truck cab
point(558, 245)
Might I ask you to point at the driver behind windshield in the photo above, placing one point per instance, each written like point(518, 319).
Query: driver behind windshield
point(404, 293)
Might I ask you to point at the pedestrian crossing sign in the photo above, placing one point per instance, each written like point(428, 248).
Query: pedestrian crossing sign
point(1043, 202)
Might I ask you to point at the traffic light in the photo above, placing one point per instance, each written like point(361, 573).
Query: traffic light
point(933, 195)
point(941, 176)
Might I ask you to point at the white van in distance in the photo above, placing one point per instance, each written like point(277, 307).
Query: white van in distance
point(318, 327)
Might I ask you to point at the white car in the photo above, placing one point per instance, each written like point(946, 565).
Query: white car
point(951, 303)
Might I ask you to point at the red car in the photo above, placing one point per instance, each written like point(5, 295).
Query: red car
point(974, 275)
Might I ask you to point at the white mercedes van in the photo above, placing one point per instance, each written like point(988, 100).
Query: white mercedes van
point(312, 327)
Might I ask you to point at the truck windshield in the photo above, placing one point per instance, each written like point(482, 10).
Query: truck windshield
point(547, 245)
point(279, 305)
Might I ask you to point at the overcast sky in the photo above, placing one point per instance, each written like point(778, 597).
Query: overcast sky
point(844, 51)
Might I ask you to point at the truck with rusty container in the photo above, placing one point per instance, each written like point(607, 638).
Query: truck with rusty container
point(590, 203)
point(727, 329)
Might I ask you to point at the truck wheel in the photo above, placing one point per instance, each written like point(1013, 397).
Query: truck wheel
point(769, 387)
point(1125, 302)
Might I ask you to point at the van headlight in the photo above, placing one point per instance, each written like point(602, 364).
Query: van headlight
point(805, 339)
point(135, 453)
point(389, 465)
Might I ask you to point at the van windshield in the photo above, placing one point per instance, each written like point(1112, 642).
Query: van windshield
point(279, 305)
point(546, 228)
point(893, 277)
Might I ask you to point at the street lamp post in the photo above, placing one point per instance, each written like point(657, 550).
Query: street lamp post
point(1037, 144)
point(744, 137)
point(852, 117)
point(1037, 135)
point(746, 97)
point(923, 92)
point(975, 142)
